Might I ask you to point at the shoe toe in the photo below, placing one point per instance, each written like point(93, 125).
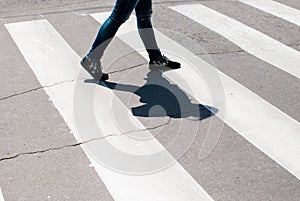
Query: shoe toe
point(174, 65)
point(104, 77)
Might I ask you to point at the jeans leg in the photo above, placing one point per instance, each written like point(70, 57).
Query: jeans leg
point(120, 13)
point(143, 13)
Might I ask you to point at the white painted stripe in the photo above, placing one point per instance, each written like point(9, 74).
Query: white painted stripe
point(269, 129)
point(277, 9)
point(53, 60)
point(251, 40)
point(1, 196)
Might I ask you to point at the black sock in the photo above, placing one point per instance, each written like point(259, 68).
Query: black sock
point(153, 54)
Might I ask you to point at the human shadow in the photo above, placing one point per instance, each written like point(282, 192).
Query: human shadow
point(161, 98)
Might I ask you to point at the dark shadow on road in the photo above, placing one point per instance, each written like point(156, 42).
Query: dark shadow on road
point(161, 98)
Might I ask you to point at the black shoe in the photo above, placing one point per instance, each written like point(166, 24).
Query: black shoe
point(162, 60)
point(94, 68)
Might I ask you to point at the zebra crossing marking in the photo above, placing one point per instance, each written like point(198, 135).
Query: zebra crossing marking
point(265, 126)
point(277, 9)
point(249, 39)
point(53, 61)
point(1, 195)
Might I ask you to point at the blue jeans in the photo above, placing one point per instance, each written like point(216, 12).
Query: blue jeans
point(121, 12)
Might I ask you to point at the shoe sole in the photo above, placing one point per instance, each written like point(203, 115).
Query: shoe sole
point(103, 77)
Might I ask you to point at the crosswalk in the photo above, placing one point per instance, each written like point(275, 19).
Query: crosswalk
point(275, 122)
point(268, 128)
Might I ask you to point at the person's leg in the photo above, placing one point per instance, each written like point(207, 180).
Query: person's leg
point(91, 62)
point(143, 12)
point(120, 13)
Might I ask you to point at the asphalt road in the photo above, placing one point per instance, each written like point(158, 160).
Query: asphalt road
point(244, 57)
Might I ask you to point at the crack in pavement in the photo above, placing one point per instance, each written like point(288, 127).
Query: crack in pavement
point(124, 69)
point(63, 82)
point(94, 139)
point(34, 89)
point(220, 53)
point(84, 142)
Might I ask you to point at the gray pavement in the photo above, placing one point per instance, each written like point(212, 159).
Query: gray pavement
point(41, 160)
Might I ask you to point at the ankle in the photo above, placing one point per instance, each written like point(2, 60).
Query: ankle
point(153, 54)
